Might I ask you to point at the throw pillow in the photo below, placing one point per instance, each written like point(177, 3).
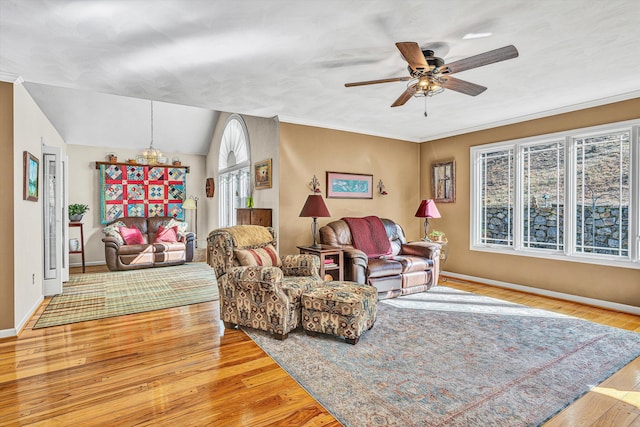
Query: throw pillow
point(263, 257)
point(131, 236)
point(113, 230)
point(166, 235)
point(182, 227)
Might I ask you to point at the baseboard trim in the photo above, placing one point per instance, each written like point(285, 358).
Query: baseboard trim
point(559, 295)
point(88, 263)
point(14, 332)
point(30, 314)
point(8, 333)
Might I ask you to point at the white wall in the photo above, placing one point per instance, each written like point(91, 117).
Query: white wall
point(264, 139)
point(84, 187)
point(31, 130)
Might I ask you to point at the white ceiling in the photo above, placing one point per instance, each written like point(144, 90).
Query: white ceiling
point(291, 59)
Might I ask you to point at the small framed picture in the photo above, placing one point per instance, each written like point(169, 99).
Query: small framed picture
point(31, 176)
point(349, 186)
point(262, 174)
point(443, 182)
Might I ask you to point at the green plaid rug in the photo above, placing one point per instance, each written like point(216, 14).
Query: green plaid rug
point(99, 295)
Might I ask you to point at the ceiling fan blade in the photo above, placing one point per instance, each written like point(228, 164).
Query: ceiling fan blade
point(406, 95)
point(463, 86)
point(479, 60)
point(413, 55)
point(373, 82)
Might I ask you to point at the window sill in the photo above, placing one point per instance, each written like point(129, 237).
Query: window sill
point(558, 256)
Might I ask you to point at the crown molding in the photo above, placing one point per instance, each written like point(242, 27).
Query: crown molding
point(10, 77)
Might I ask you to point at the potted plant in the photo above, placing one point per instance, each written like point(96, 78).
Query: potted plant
point(76, 211)
point(436, 236)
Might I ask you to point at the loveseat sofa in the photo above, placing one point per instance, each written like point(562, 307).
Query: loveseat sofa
point(149, 253)
point(408, 268)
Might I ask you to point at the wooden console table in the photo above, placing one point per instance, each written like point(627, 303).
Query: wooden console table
point(81, 250)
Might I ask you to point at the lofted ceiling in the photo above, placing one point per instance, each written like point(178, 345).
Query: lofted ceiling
point(93, 65)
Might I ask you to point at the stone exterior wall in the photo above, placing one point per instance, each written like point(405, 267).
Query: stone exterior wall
point(547, 226)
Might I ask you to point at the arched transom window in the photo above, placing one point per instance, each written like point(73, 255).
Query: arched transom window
point(233, 169)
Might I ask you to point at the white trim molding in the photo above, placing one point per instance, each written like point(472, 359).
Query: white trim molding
point(10, 78)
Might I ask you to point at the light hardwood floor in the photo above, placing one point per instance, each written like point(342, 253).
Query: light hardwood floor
point(180, 367)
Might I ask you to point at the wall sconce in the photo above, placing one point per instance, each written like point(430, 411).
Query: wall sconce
point(381, 189)
point(314, 185)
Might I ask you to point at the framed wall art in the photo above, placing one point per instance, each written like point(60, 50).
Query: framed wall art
point(262, 174)
point(30, 177)
point(443, 182)
point(349, 186)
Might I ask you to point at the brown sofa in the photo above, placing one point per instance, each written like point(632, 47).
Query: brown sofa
point(130, 257)
point(410, 268)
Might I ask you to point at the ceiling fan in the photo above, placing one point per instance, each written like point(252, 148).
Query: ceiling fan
point(430, 75)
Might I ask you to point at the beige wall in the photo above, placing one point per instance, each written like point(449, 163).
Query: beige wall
point(621, 285)
point(84, 187)
point(263, 140)
point(307, 151)
point(6, 213)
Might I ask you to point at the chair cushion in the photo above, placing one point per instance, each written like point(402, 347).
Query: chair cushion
point(413, 263)
point(295, 286)
point(379, 267)
point(266, 256)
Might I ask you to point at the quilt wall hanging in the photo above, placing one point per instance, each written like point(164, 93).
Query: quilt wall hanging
point(141, 191)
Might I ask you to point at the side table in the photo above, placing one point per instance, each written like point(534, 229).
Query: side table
point(331, 259)
point(81, 250)
point(444, 252)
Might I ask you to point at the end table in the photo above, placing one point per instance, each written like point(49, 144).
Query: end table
point(331, 259)
point(81, 250)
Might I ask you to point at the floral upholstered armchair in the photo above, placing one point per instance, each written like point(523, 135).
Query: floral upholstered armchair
point(258, 288)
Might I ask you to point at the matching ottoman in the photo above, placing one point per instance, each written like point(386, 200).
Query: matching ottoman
point(342, 309)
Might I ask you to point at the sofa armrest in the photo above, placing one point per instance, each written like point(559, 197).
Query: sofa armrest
point(189, 241)
point(355, 265)
point(111, 247)
point(301, 265)
point(428, 250)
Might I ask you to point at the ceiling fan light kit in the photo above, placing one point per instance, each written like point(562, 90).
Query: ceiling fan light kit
point(430, 75)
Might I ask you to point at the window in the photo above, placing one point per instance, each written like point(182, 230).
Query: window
point(602, 194)
point(233, 170)
point(563, 196)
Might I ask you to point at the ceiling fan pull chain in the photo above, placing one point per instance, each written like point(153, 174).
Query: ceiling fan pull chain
point(425, 106)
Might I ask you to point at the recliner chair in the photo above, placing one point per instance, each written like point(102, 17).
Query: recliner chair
point(258, 288)
point(411, 267)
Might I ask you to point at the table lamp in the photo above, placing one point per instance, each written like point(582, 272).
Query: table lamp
point(192, 204)
point(427, 210)
point(315, 208)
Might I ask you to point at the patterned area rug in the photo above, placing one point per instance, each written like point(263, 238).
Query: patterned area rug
point(452, 358)
point(99, 295)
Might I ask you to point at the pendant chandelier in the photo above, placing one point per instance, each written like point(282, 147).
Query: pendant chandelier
point(151, 156)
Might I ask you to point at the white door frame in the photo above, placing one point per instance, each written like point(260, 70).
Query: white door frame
point(52, 206)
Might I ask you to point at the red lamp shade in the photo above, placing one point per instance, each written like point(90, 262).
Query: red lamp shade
point(427, 209)
point(315, 207)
